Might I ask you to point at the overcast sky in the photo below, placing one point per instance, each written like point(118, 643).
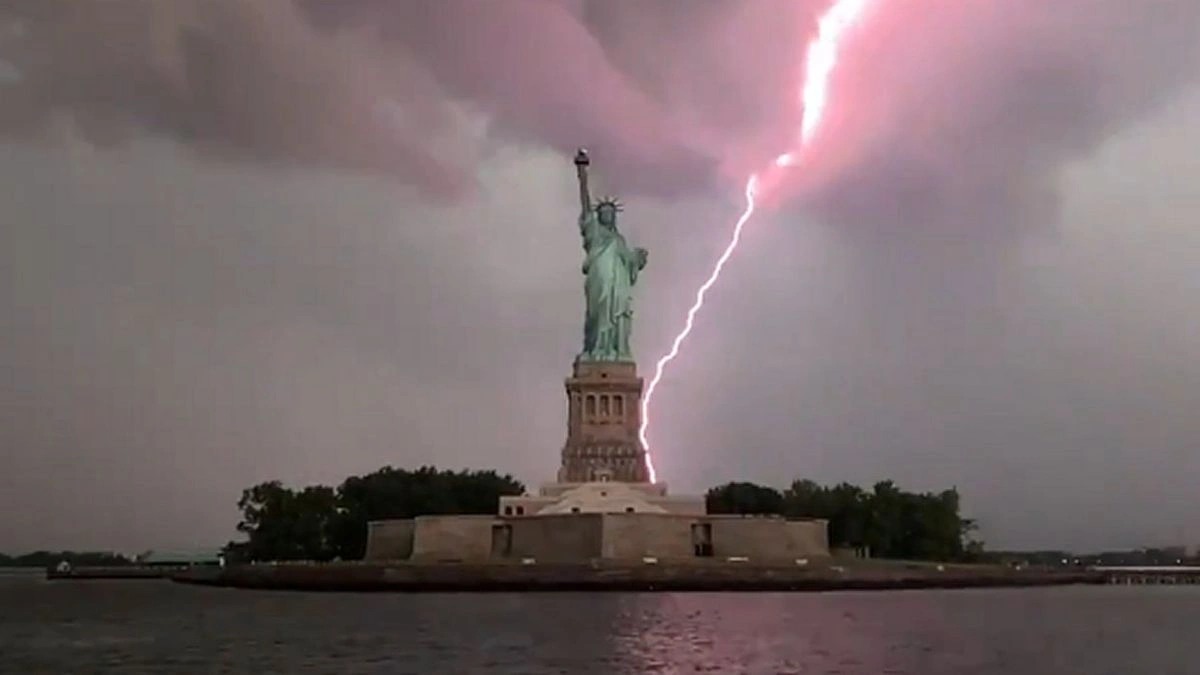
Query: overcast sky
point(255, 239)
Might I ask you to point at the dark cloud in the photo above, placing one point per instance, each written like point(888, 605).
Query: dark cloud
point(938, 103)
point(952, 114)
point(248, 79)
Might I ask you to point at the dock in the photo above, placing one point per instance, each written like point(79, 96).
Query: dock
point(529, 576)
point(1149, 575)
point(114, 572)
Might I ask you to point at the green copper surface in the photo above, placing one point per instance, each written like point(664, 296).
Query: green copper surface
point(610, 268)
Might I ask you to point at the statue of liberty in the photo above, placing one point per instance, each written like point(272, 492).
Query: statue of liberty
point(611, 269)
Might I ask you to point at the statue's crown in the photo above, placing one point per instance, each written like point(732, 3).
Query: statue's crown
point(612, 203)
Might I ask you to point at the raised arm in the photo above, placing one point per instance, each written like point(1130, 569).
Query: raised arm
point(581, 168)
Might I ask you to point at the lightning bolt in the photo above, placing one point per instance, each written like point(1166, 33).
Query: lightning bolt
point(820, 61)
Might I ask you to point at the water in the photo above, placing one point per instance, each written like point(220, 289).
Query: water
point(160, 627)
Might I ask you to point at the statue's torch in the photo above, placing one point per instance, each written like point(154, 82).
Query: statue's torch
point(582, 161)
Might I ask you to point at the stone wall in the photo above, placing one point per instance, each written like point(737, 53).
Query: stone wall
point(602, 497)
point(523, 505)
point(809, 537)
point(556, 538)
point(603, 417)
point(453, 538)
point(767, 538)
point(389, 539)
point(577, 537)
point(636, 535)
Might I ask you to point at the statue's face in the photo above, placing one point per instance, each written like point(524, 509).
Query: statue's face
point(607, 216)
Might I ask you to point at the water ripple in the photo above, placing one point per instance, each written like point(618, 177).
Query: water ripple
point(157, 627)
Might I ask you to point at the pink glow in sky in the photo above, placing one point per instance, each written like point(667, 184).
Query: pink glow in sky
point(819, 64)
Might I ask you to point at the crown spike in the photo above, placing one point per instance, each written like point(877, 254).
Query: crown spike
point(611, 202)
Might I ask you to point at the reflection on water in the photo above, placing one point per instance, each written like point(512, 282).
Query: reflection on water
point(158, 627)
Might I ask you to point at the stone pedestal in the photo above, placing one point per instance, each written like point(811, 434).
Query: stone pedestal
point(603, 506)
point(604, 412)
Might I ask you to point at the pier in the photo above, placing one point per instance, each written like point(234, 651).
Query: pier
point(1149, 574)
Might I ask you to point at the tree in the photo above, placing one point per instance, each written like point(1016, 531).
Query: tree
point(321, 523)
point(396, 493)
point(282, 524)
point(316, 512)
point(845, 506)
point(744, 498)
point(74, 558)
point(891, 522)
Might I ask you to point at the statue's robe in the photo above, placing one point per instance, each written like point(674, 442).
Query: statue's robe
point(611, 270)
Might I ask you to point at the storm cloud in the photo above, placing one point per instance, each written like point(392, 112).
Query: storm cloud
point(938, 103)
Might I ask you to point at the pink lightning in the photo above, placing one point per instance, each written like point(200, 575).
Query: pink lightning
point(820, 60)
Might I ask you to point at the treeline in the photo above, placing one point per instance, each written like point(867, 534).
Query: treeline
point(885, 520)
point(322, 523)
point(74, 558)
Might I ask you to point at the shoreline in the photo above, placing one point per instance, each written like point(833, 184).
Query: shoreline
point(665, 576)
point(114, 572)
